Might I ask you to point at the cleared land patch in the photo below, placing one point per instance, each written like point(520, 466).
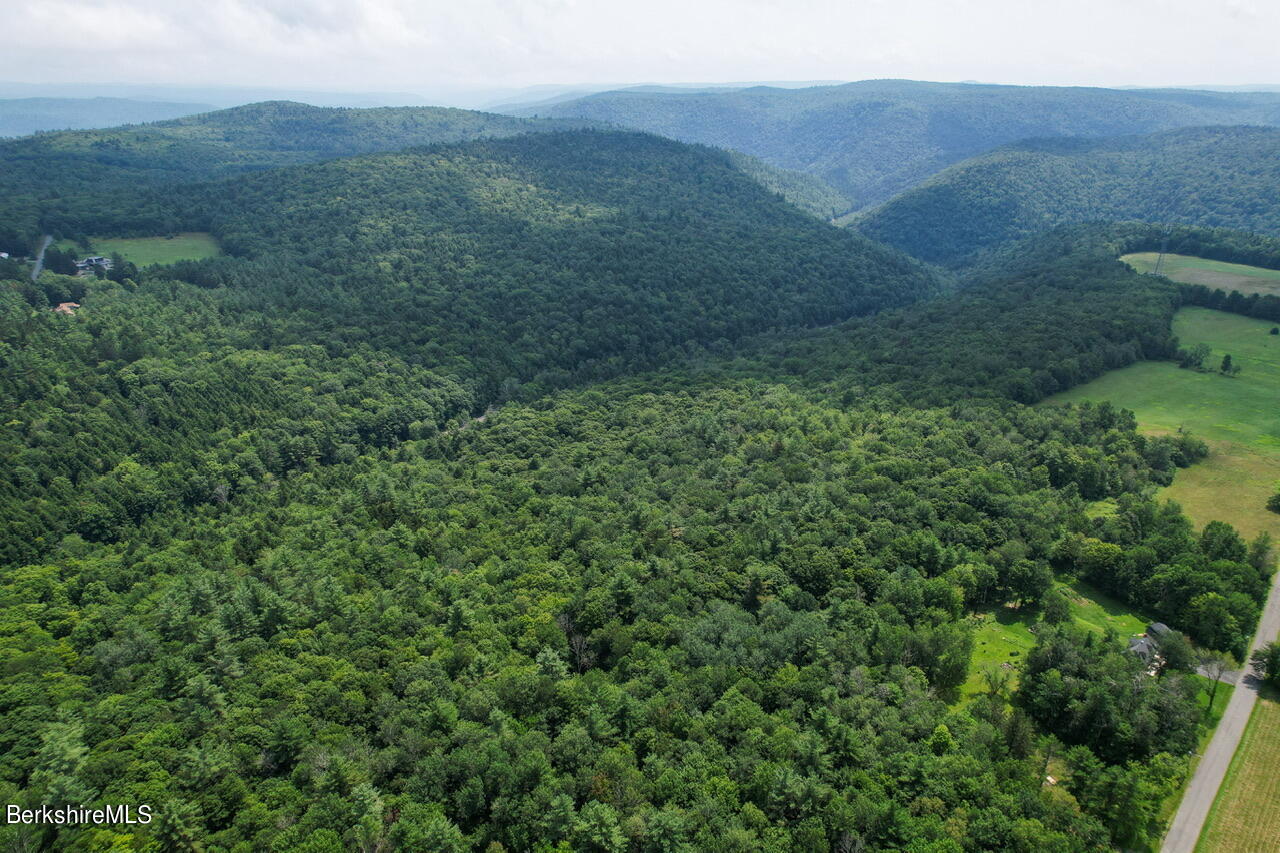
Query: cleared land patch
point(1238, 416)
point(146, 251)
point(1216, 274)
point(1003, 637)
point(1244, 819)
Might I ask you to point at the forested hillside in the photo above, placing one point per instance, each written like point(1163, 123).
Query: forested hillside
point(532, 259)
point(873, 139)
point(572, 490)
point(82, 171)
point(1219, 176)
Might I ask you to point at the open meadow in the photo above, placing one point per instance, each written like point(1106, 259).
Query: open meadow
point(1215, 274)
point(1239, 416)
point(148, 251)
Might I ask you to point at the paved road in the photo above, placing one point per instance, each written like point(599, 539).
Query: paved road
point(44, 244)
point(1189, 821)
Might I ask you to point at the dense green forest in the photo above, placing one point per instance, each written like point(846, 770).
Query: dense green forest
point(288, 593)
point(1218, 176)
point(84, 171)
point(49, 179)
point(801, 189)
point(506, 269)
point(573, 491)
point(528, 260)
point(876, 138)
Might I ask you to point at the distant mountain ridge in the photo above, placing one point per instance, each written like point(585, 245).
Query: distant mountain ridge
point(873, 139)
point(1225, 177)
point(23, 116)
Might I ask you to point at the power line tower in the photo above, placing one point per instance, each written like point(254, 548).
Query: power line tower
point(1164, 248)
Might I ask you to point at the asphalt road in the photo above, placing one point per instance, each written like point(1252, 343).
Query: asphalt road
point(1198, 799)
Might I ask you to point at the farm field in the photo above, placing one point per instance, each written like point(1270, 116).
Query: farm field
point(1239, 417)
point(1216, 274)
point(1243, 815)
point(146, 251)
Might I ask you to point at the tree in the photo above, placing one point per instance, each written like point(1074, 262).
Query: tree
point(1028, 581)
point(57, 774)
point(1220, 541)
point(1228, 367)
point(1056, 607)
point(1194, 357)
point(1273, 502)
point(997, 680)
point(1214, 665)
point(1177, 653)
point(1266, 661)
point(1262, 553)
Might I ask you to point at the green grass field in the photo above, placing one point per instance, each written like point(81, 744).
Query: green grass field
point(1244, 818)
point(1216, 274)
point(1238, 416)
point(1003, 637)
point(146, 251)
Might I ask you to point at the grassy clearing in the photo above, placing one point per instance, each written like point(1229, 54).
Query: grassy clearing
point(1244, 817)
point(1217, 274)
point(1096, 610)
point(1238, 416)
point(146, 251)
point(1104, 508)
point(1003, 635)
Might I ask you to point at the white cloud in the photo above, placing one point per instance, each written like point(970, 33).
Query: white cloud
point(428, 44)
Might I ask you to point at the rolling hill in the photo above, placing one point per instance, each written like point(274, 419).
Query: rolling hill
point(521, 264)
point(873, 139)
point(545, 252)
point(652, 613)
point(1217, 177)
point(45, 175)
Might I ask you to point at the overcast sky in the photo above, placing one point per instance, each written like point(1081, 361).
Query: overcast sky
point(434, 45)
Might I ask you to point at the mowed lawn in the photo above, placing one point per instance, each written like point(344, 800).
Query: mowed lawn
point(1244, 818)
point(1215, 274)
point(1239, 417)
point(146, 251)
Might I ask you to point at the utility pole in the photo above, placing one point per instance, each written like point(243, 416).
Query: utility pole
point(1164, 247)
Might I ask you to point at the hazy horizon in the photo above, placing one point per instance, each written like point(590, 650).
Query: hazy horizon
point(498, 48)
point(220, 97)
